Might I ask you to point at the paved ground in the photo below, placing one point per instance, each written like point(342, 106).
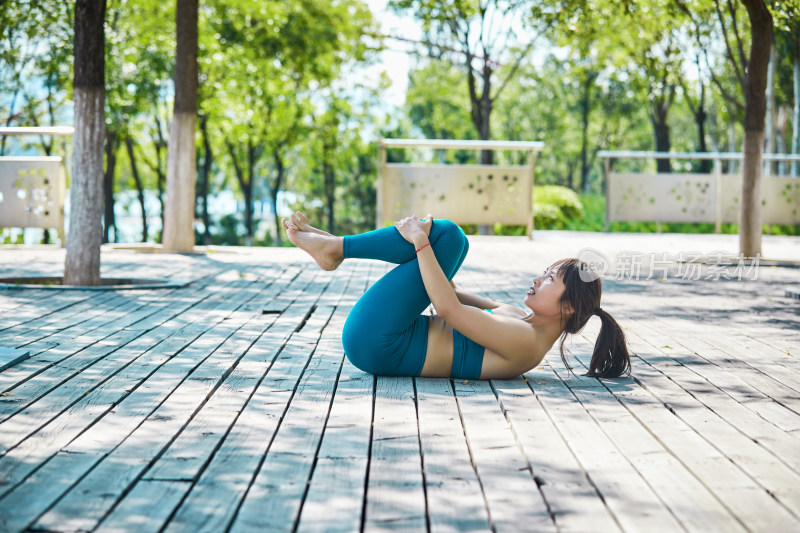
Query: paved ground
point(229, 404)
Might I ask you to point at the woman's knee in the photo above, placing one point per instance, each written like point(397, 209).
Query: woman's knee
point(357, 345)
point(450, 231)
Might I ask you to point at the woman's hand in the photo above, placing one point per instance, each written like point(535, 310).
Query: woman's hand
point(415, 230)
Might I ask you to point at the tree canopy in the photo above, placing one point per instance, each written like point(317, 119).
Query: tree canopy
point(288, 114)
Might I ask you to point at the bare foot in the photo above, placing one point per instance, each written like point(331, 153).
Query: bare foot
point(324, 248)
point(300, 221)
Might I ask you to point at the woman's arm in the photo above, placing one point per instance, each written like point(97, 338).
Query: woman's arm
point(437, 286)
point(503, 335)
point(475, 300)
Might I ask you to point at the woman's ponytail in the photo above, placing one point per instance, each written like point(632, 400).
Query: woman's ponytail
point(583, 290)
point(610, 358)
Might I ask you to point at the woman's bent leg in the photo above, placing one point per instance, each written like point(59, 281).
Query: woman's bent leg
point(385, 332)
point(386, 244)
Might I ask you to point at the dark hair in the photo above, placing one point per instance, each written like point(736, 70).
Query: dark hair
point(584, 288)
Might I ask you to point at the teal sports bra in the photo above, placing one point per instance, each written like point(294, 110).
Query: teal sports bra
point(492, 312)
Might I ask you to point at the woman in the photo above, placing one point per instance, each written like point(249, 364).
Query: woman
point(471, 336)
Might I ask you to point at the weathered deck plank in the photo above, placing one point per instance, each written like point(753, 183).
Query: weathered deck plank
point(455, 497)
point(228, 405)
point(512, 495)
point(574, 501)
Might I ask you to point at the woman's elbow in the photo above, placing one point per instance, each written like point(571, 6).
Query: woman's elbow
point(447, 309)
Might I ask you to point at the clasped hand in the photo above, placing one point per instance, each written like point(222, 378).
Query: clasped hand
point(414, 229)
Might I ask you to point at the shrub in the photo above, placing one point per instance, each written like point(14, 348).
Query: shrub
point(555, 207)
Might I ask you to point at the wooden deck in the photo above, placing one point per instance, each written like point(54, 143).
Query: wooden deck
point(228, 405)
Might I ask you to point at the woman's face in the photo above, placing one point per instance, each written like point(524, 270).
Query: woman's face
point(544, 295)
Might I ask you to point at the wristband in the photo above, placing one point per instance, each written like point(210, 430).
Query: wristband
point(423, 246)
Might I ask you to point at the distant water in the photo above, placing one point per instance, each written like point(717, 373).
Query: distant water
point(127, 214)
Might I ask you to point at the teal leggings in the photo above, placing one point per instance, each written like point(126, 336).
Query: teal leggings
point(385, 332)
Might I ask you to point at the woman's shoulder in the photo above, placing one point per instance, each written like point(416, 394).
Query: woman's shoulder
point(508, 310)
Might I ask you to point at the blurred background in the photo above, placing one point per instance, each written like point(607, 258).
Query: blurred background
point(294, 94)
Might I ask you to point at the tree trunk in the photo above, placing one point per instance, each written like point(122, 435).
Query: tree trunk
point(796, 112)
point(159, 146)
point(329, 177)
point(755, 108)
point(780, 137)
point(248, 193)
point(181, 162)
point(244, 185)
point(585, 101)
point(109, 221)
point(204, 173)
point(481, 120)
point(769, 128)
point(139, 187)
point(661, 131)
point(279, 171)
point(700, 119)
point(732, 145)
point(82, 264)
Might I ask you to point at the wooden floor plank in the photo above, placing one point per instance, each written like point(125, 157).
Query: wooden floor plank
point(395, 490)
point(146, 507)
point(59, 346)
point(764, 468)
point(750, 504)
point(455, 497)
point(693, 505)
point(82, 409)
point(93, 497)
point(695, 446)
point(173, 336)
point(274, 498)
point(511, 493)
point(287, 441)
point(336, 490)
point(628, 496)
point(573, 500)
point(194, 409)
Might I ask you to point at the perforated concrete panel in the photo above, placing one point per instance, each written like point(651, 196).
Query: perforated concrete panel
point(697, 197)
point(467, 194)
point(31, 192)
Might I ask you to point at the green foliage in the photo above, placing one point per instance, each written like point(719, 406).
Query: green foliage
point(555, 206)
point(437, 101)
point(281, 94)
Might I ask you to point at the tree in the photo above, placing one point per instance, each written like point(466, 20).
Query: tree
point(754, 84)
point(278, 57)
point(181, 163)
point(787, 28)
point(141, 51)
point(435, 103)
point(479, 36)
point(82, 265)
point(751, 73)
point(640, 39)
point(337, 164)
